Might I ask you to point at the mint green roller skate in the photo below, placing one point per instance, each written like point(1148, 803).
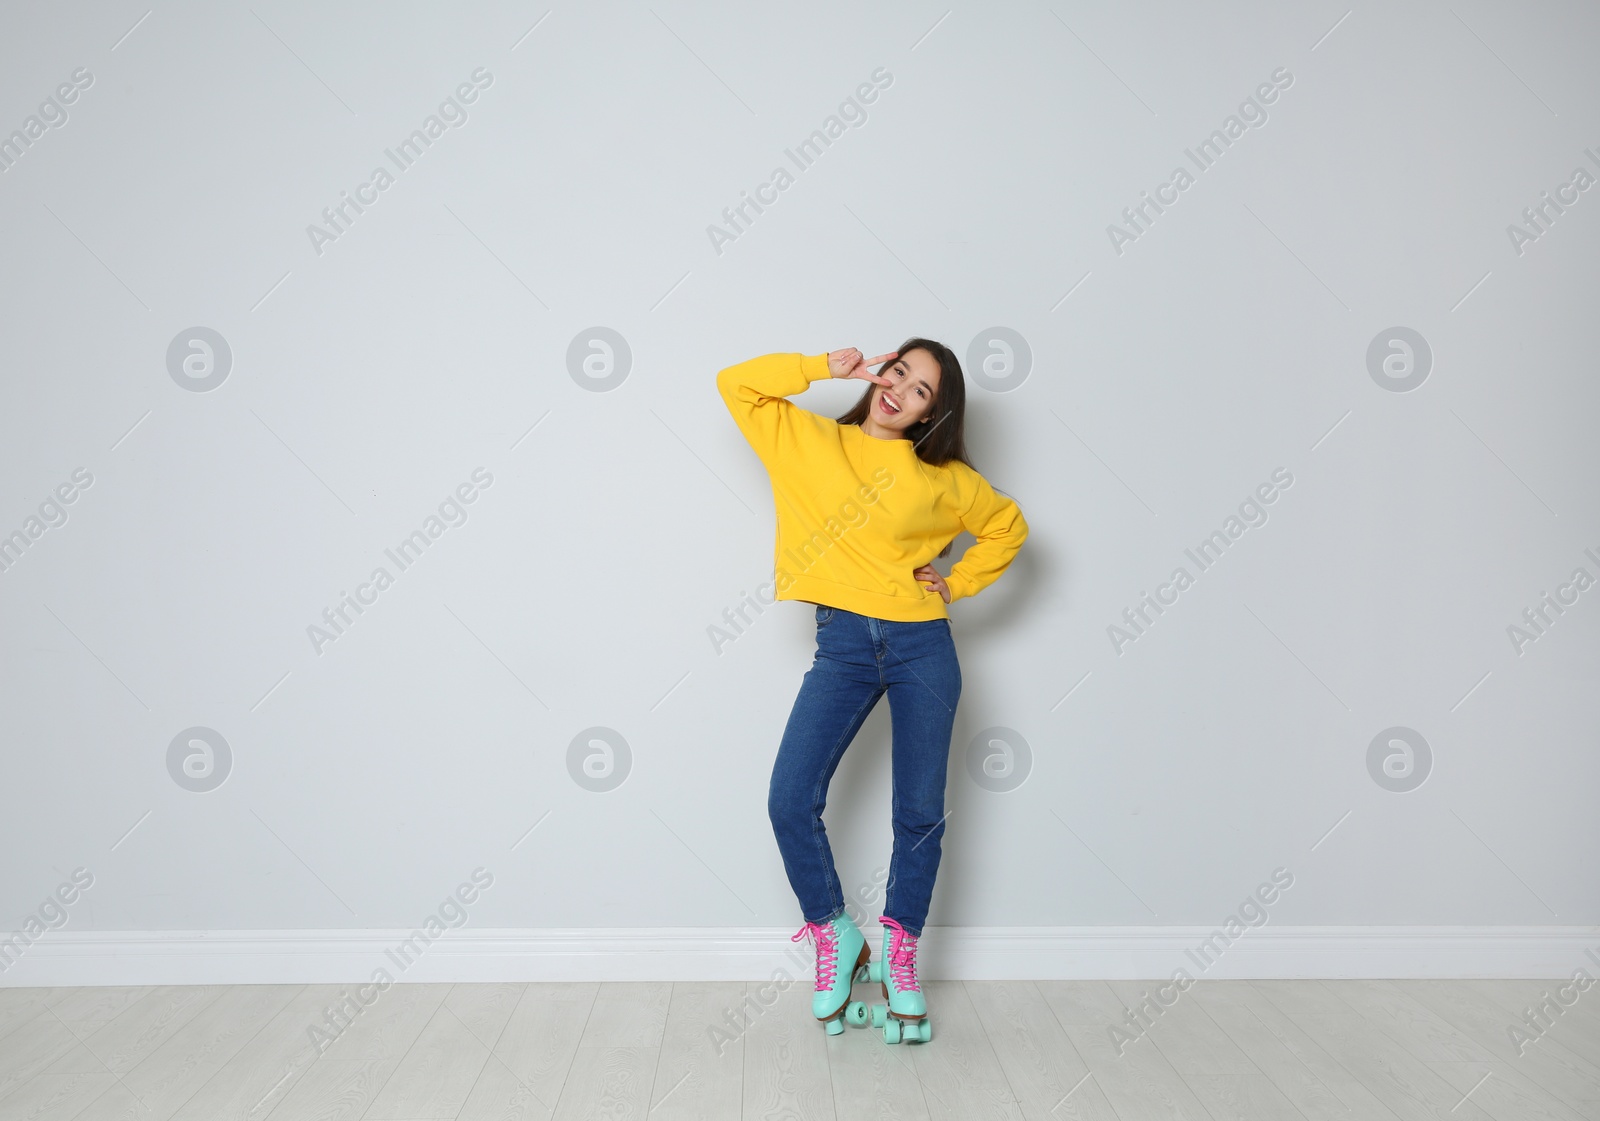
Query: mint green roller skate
point(906, 1014)
point(839, 940)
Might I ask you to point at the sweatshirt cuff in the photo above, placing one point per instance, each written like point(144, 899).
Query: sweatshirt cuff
point(815, 367)
point(959, 587)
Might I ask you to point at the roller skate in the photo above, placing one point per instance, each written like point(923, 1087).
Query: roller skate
point(905, 1016)
point(838, 940)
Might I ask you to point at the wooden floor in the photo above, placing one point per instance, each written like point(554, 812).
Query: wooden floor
point(672, 1052)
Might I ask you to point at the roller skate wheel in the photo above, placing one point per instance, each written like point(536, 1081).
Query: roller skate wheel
point(834, 1026)
point(891, 1031)
point(874, 970)
point(879, 1014)
point(856, 1013)
point(921, 1031)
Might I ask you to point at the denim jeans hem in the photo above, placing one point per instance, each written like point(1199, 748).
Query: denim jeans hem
point(914, 931)
point(830, 918)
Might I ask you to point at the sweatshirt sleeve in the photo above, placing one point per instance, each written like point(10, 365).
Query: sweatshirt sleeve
point(997, 523)
point(754, 392)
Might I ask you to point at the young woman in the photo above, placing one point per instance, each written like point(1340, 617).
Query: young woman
point(864, 504)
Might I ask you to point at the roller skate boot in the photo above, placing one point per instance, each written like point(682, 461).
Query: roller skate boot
point(905, 1015)
point(842, 957)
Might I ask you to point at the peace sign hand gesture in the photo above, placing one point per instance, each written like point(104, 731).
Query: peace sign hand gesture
point(848, 363)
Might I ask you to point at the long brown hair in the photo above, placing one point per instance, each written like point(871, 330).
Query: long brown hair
point(941, 436)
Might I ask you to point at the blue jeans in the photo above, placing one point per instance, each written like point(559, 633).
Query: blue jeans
point(859, 658)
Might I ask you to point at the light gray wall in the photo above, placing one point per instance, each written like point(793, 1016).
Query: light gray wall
point(1166, 382)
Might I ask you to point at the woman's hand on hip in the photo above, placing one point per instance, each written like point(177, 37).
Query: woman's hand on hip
point(932, 581)
point(848, 363)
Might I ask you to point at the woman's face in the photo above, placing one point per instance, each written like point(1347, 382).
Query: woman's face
point(916, 386)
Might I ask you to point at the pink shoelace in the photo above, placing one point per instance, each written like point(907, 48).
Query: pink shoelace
point(902, 957)
point(826, 940)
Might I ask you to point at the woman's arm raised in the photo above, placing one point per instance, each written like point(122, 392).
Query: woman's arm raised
point(754, 391)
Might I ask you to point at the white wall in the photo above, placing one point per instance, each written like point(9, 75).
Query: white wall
point(434, 337)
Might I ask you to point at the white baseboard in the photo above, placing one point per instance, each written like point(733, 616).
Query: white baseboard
point(191, 957)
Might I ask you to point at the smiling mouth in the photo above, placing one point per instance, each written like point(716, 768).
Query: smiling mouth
point(887, 403)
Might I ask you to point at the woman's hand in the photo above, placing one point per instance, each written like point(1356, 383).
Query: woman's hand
point(848, 363)
point(932, 581)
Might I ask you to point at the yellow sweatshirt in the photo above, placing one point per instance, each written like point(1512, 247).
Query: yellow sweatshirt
point(856, 514)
